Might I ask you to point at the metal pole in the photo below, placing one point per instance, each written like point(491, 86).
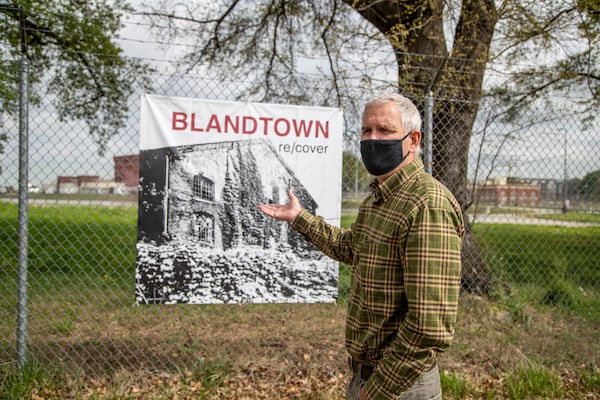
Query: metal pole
point(428, 133)
point(356, 169)
point(23, 187)
point(565, 179)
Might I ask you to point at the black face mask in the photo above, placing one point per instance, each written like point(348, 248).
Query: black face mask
point(382, 156)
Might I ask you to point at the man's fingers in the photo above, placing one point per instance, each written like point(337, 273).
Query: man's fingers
point(266, 209)
point(270, 210)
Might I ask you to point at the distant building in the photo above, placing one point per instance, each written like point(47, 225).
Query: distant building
point(72, 184)
point(126, 170)
point(102, 187)
point(550, 189)
point(508, 192)
point(88, 184)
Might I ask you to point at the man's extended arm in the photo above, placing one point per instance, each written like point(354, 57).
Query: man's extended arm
point(331, 240)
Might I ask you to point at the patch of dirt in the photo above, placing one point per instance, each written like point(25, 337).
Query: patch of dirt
point(292, 351)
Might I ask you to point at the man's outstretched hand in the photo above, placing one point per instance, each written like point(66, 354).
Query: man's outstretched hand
point(285, 212)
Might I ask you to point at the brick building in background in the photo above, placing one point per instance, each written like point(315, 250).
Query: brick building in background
point(126, 170)
point(508, 192)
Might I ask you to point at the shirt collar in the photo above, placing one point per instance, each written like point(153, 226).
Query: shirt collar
point(384, 190)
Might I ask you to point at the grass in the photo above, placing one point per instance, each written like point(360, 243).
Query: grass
point(455, 385)
point(533, 382)
point(34, 378)
point(92, 243)
point(591, 378)
point(536, 340)
point(551, 265)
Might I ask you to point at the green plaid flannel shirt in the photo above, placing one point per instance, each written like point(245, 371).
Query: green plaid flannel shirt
point(405, 252)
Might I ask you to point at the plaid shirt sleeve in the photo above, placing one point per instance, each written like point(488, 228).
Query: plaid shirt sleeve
point(333, 241)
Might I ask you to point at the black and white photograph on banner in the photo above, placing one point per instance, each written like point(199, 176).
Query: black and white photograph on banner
point(205, 166)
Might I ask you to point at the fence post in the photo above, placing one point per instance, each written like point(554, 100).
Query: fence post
point(565, 193)
point(356, 169)
point(23, 189)
point(428, 133)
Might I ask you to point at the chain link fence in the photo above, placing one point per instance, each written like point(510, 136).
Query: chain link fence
point(532, 188)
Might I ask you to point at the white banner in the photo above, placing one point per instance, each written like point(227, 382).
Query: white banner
point(204, 167)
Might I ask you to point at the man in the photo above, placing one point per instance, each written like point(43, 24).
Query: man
point(404, 249)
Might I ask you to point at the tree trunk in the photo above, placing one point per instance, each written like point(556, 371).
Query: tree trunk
point(415, 30)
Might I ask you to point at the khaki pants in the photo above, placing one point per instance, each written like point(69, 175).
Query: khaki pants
point(426, 388)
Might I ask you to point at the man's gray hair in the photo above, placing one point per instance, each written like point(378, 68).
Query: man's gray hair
point(411, 118)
